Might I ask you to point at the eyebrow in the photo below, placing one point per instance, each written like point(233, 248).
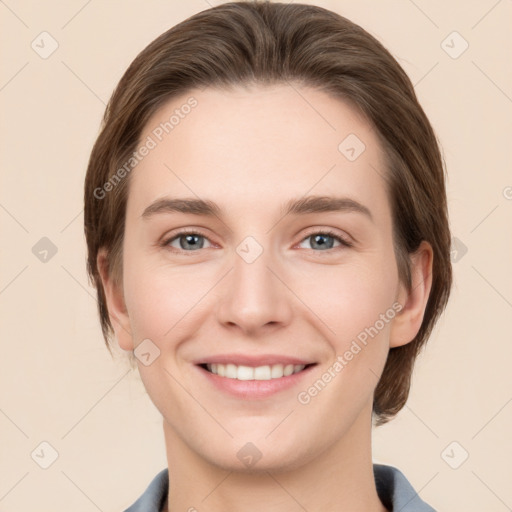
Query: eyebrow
point(301, 206)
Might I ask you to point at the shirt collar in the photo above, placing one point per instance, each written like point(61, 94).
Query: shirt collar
point(393, 489)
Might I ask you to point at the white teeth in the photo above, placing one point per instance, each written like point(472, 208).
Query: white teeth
point(262, 373)
point(275, 371)
point(230, 371)
point(245, 373)
point(288, 370)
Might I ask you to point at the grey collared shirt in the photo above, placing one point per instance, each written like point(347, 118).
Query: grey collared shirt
point(394, 490)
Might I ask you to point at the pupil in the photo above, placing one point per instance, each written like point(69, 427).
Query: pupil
point(190, 241)
point(318, 240)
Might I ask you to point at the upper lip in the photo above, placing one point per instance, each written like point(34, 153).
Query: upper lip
point(246, 360)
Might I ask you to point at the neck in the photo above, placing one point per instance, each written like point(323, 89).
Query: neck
point(338, 479)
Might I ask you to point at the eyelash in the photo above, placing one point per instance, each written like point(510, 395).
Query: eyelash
point(343, 241)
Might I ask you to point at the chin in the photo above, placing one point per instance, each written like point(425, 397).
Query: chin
point(253, 454)
point(267, 463)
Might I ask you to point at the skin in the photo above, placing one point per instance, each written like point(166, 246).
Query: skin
point(250, 150)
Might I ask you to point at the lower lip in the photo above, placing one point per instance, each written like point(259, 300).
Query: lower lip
point(255, 389)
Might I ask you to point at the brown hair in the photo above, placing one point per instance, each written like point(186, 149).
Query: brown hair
point(271, 43)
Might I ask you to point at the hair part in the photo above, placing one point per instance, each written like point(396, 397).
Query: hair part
point(264, 43)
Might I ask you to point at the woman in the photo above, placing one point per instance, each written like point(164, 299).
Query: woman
point(267, 229)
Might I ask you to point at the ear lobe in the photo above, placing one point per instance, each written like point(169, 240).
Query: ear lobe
point(115, 303)
point(407, 322)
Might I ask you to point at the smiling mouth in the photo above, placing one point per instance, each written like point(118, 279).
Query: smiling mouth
point(267, 372)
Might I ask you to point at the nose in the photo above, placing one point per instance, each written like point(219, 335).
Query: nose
point(254, 296)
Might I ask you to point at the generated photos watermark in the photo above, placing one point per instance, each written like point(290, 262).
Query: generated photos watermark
point(151, 142)
point(357, 345)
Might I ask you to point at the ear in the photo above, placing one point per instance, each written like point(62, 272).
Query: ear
point(115, 303)
point(407, 321)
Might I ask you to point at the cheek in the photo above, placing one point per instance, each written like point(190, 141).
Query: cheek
point(160, 298)
point(347, 298)
point(357, 306)
point(363, 308)
point(350, 298)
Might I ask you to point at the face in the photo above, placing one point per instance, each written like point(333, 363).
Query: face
point(267, 280)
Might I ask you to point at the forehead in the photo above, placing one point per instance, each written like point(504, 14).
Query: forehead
point(257, 147)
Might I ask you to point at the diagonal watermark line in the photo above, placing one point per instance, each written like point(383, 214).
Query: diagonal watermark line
point(13, 423)
point(417, 493)
point(485, 15)
point(220, 220)
point(304, 195)
point(14, 486)
point(216, 487)
point(421, 420)
point(13, 279)
point(383, 176)
point(492, 286)
point(492, 81)
point(426, 74)
point(419, 284)
point(378, 377)
point(508, 508)
point(487, 423)
point(300, 299)
point(79, 283)
point(13, 217)
point(280, 423)
point(310, 105)
point(90, 295)
point(97, 402)
point(285, 490)
point(71, 221)
point(83, 82)
point(199, 403)
point(14, 76)
point(206, 293)
point(76, 14)
point(88, 497)
point(484, 218)
point(13, 13)
point(424, 14)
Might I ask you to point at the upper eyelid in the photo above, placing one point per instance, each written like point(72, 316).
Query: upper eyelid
point(346, 240)
point(327, 231)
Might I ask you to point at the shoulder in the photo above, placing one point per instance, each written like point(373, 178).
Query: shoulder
point(395, 491)
point(153, 497)
point(393, 488)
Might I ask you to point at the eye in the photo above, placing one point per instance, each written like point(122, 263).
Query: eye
point(192, 241)
point(188, 241)
point(324, 240)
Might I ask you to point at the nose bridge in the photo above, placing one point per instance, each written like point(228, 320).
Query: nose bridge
point(253, 295)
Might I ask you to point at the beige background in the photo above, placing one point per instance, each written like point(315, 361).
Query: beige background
point(59, 384)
